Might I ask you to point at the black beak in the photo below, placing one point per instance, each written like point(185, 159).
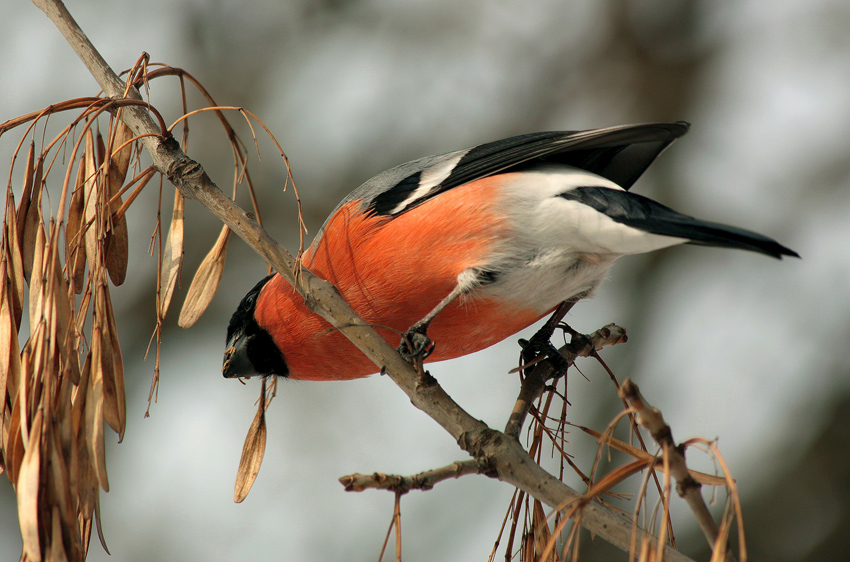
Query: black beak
point(251, 351)
point(237, 363)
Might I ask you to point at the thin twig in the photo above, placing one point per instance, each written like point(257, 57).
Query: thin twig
point(423, 481)
point(687, 488)
point(535, 382)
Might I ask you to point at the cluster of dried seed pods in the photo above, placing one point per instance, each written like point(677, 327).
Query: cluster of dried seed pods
point(67, 381)
point(61, 369)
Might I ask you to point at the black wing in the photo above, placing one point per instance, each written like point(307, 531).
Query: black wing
point(620, 154)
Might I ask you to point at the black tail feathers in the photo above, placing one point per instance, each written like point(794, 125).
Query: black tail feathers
point(641, 212)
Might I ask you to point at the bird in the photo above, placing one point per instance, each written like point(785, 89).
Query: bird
point(459, 251)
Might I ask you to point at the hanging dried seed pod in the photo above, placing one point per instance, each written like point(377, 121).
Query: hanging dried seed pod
point(75, 245)
point(206, 281)
point(172, 255)
point(117, 241)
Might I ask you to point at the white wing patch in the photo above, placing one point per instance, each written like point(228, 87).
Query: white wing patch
point(430, 179)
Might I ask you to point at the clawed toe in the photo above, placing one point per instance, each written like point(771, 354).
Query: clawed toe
point(537, 347)
point(415, 344)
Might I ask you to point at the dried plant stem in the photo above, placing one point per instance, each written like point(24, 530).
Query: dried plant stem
point(687, 488)
point(509, 462)
point(397, 520)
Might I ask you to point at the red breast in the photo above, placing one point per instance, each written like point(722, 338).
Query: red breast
point(393, 272)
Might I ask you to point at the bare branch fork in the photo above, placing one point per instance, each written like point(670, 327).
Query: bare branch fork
point(686, 486)
point(531, 389)
point(535, 382)
point(503, 454)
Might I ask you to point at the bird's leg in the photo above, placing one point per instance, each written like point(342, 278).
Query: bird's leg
point(541, 344)
point(415, 343)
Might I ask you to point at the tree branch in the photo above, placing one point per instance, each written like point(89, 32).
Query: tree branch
point(533, 385)
point(686, 486)
point(423, 481)
point(510, 462)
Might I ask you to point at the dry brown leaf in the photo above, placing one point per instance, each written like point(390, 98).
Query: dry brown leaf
point(33, 221)
point(12, 252)
point(8, 338)
point(26, 193)
point(62, 414)
point(36, 296)
point(94, 410)
point(4, 444)
point(83, 310)
point(14, 451)
point(111, 414)
point(120, 157)
point(75, 246)
point(206, 281)
point(84, 481)
point(27, 489)
point(252, 454)
point(104, 356)
point(172, 255)
point(101, 147)
point(79, 468)
point(92, 205)
point(59, 486)
point(98, 525)
point(56, 547)
point(65, 339)
point(120, 403)
point(33, 365)
point(85, 536)
point(78, 411)
point(10, 361)
point(117, 249)
point(117, 240)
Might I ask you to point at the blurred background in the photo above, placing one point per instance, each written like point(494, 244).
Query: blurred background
point(729, 345)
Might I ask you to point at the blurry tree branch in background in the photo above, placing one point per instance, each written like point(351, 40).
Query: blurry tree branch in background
point(54, 531)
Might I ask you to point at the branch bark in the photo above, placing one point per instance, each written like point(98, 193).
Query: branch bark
point(686, 486)
point(510, 463)
point(535, 382)
point(402, 484)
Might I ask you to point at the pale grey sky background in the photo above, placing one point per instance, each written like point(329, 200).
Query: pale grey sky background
point(728, 344)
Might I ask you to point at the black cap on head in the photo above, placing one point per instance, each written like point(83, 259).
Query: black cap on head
point(251, 351)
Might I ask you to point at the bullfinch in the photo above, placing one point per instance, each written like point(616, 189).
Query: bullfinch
point(473, 246)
